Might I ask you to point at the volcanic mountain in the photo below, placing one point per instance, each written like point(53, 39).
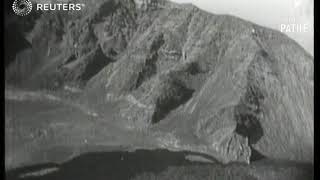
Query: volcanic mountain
point(156, 74)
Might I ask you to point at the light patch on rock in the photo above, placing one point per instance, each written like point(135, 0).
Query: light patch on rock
point(41, 172)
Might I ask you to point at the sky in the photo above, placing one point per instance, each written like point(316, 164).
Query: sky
point(269, 13)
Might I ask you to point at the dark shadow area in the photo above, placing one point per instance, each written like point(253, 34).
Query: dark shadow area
point(194, 68)
point(110, 165)
point(250, 127)
point(264, 53)
point(148, 70)
point(15, 27)
point(97, 61)
point(69, 59)
point(165, 105)
point(247, 114)
point(105, 10)
point(256, 155)
point(123, 165)
point(150, 66)
point(157, 43)
point(15, 43)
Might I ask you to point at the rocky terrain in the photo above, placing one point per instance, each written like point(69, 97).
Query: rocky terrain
point(156, 75)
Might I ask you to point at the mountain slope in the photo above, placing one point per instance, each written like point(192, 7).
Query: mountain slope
point(184, 78)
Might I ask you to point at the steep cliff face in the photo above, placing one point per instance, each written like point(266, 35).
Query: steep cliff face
point(187, 79)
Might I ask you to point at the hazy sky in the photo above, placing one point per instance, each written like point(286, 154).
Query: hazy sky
point(270, 13)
